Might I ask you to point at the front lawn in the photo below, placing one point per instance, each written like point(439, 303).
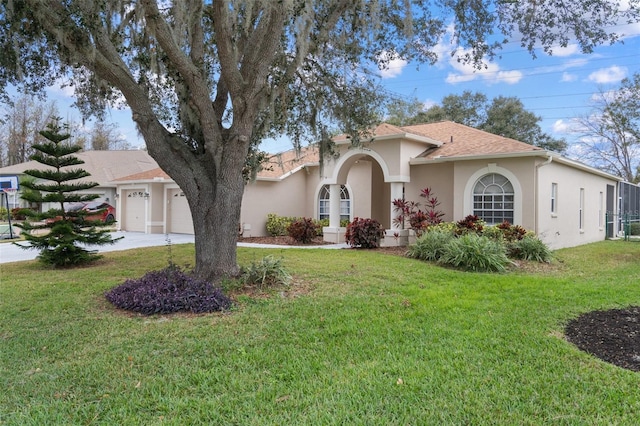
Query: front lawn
point(361, 337)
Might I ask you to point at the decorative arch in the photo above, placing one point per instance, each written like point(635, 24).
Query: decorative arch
point(475, 178)
point(346, 160)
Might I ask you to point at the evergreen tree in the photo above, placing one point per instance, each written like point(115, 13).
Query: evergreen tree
point(66, 232)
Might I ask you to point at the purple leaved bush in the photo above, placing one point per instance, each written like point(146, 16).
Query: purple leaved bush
point(166, 291)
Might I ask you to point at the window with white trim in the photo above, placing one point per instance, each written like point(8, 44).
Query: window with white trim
point(324, 205)
point(493, 199)
point(554, 198)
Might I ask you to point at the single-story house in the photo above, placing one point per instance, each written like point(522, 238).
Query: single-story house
point(103, 166)
point(470, 172)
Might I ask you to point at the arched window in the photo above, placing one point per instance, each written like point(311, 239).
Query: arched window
point(493, 199)
point(323, 203)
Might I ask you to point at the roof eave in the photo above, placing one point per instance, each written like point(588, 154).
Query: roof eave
point(286, 175)
point(523, 154)
point(406, 136)
point(447, 159)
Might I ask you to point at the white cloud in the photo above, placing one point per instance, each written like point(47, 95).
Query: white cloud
point(62, 89)
point(394, 66)
point(568, 77)
point(490, 73)
point(444, 47)
point(508, 77)
point(569, 50)
point(613, 74)
point(562, 126)
point(429, 103)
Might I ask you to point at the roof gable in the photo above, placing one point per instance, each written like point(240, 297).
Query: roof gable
point(104, 166)
point(460, 140)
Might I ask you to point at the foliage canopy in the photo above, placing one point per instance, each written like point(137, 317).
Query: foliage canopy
point(207, 80)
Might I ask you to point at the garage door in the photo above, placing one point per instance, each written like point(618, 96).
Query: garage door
point(133, 211)
point(179, 220)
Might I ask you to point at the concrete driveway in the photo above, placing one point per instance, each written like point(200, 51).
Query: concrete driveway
point(11, 253)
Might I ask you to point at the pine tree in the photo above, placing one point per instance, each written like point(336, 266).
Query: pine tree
point(61, 234)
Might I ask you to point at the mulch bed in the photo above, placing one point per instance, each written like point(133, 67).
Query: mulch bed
point(281, 241)
point(612, 335)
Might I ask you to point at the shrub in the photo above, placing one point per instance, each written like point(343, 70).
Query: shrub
point(277, 225)
point(325, 222)
point(475, 253)
point(303, 230)
point(634, 228)
point(448, 227)
point(21, 213)
point(530, 248)
point(430, 245)
point(494, 233)
point(511, 232)
point(418, 219)
point(364, 233)
point(269, 272)
point(166, 291)
point(470, 224)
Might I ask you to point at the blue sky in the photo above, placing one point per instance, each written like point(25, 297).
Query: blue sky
point(557, 88)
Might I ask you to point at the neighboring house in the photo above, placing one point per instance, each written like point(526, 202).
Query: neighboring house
point(103, 166)
point(470, 171)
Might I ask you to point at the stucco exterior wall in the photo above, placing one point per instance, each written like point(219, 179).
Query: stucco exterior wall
point(288, 197)
point(562, 228)
point(156, 223)
point(438, 177)
point(519, 171)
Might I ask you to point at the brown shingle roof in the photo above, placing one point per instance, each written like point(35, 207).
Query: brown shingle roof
point(156, 173)
point(104, 166)
point(457, 140)
point(280, 164)
point(460, 140)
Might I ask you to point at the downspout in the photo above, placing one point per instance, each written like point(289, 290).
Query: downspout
point(536, 190)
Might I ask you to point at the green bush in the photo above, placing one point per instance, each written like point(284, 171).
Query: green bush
point(430, 245)
point(4, 214)
point(448, 227)
point(303, 230)
point(364, 233)
point(634, 228)
point(267, 273)
point(530, 248)
point(494, 233)
point(475, 253)
point(277, 225)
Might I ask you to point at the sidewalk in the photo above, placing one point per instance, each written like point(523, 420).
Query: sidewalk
point(11, 253)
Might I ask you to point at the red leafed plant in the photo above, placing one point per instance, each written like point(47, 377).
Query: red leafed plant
point(410, 212)
point(364, 233)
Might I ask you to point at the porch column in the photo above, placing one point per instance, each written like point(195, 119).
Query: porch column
point(396, 193)
point(334, 206)
point(394, 235)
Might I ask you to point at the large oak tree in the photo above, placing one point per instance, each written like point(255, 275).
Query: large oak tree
point(205, 80)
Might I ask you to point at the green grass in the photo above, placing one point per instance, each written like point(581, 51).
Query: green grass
point(373, 339)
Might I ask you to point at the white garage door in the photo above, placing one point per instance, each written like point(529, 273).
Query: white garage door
point(179, 221)
point(133, 211)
